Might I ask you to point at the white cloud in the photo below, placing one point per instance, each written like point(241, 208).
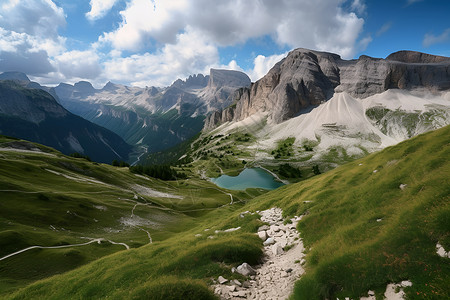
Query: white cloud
point(29, 36)
point(384, 28)
point(35, 17)
point(263, 64)
point(431, 39)
point(99, 8)
point(359, 6)
point(78, 64)
point(190, 54)
point(321, 25)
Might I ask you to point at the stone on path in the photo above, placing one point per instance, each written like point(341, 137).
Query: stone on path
point(222, 280)
point(245, 269)
point(262, 235)
point(269, 241)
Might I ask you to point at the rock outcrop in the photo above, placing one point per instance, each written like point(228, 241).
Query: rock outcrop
point(306, 78)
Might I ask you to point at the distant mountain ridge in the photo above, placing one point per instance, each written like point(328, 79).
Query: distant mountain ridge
point(155, 117)
point(35, 115)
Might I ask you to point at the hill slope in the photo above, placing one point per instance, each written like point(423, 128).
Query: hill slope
point(367, 223)
point(34, 114)
point(85, 211)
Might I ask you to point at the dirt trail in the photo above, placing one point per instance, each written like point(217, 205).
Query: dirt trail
point(282, 262)
point(96, 240)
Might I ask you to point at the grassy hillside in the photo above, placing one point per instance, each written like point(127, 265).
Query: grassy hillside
point(48, 199)
point(364, 231)
point(361, 230)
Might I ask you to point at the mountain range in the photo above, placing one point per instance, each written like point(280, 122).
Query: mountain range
point(35, 115)
point(345, 223)
point(156, 118)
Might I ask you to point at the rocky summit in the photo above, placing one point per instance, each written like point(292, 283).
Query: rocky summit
point(306, 78)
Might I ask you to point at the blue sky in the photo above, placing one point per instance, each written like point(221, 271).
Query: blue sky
point(145, 42)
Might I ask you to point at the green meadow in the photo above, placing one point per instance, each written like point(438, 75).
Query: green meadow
point(361, 230)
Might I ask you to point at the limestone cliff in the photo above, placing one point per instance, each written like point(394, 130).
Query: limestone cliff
point(307, 78)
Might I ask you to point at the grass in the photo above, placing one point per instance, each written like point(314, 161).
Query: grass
point(352, 252)
point(51, 199)
point(348, 250)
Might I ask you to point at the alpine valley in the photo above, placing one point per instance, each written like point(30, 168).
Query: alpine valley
point(358, 147)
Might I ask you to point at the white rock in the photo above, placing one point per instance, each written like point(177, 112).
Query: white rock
point(403, 186)
point(269, 241)
point(374, 171)
point(277, 249)
point(222, 280)
point(198, 235)
point(262, 235)
point(275, 228)
point(406, 283)
point(232, 288)
point(245, 269)
point(237, 282)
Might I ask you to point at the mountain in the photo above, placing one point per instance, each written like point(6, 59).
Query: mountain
point(307, 78)
point(35, 115)
point(155, 118)
point(332, 110)
point(14, 76)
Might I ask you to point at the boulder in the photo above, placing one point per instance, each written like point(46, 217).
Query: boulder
point(269, 241)
point(222, 280)
point(262, 235)
point(245, 269)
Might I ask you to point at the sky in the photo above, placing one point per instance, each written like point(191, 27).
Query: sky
point(153, 43)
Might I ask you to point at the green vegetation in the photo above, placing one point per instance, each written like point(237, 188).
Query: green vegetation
point(162, 172)
point(384, 118)
point(364, 231)
point(284, 148)
point(287, 171)
point(361, 229)
point(48, 199)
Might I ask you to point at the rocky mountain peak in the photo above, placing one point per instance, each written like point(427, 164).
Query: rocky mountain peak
point(14, 76)
point(230, 78)
point(84, 87)
point(306, 78)
point(109, 86)
point(414, 57)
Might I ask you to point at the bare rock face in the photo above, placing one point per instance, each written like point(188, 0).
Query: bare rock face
point(307, 78)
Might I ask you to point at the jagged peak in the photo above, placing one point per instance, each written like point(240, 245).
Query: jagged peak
point(14, 76)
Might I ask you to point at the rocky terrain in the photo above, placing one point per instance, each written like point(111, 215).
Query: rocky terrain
point(282, 265)
point(307, 78)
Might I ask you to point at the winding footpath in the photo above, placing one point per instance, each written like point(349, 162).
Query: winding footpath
point(97, 240)
point(281, 267)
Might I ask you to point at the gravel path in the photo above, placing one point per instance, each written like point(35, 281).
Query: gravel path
point(282, 266)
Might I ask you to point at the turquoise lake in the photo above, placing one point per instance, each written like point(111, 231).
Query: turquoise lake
point(249, 178)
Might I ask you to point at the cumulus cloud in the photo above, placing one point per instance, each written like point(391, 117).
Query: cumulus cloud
point(262, 65)
point(29, 36)
point(79, 64)
point(431, 39)
point(25, 53)
point(191, 53)
point(35, 17)
point(99, 8)
point(321, 25)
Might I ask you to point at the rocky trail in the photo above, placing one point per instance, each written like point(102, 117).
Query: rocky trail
point(281, 267)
